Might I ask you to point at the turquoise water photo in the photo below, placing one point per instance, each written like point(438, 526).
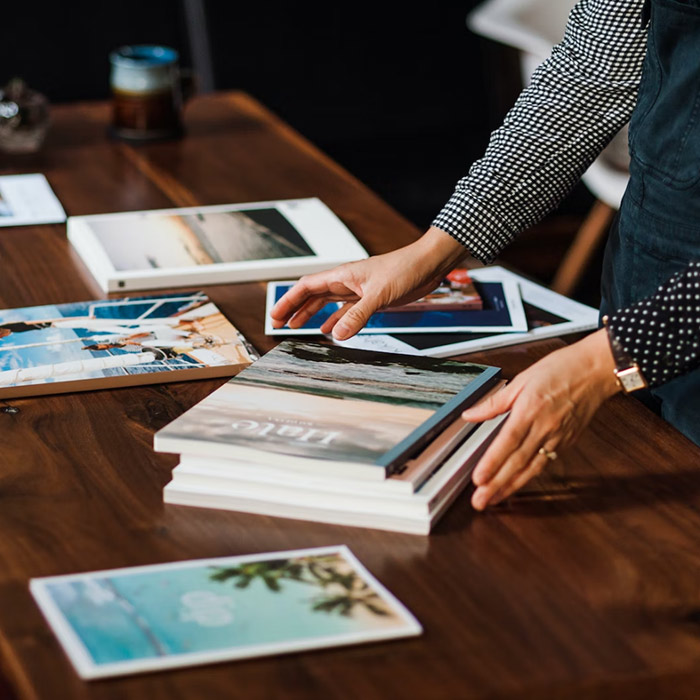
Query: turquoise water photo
point(235, 603)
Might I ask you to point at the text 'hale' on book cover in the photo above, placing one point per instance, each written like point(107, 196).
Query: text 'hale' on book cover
point(113, 343)
point(167, 248)
point(331, 409)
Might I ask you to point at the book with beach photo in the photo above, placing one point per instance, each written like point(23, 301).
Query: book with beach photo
point(211, 244)
point(108, 343)
point(332, 410)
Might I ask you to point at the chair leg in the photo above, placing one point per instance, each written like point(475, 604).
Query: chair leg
point(587, 238)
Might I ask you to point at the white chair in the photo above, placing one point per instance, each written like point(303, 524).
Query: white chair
point(534, 27)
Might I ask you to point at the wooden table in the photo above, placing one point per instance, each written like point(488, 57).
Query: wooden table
point(587, 584)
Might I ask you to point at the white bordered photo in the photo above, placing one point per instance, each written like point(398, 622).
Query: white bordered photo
point(151, 618)
point(501, 312)
point(28, 199)
point(211, 244)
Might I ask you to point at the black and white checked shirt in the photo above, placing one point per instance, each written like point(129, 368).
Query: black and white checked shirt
point(577, 101)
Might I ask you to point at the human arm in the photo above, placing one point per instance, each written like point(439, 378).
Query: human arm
point(552, 402)
point(575, 103)
point(577, 100)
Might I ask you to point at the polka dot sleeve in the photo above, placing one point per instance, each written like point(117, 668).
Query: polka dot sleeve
point(662, 333)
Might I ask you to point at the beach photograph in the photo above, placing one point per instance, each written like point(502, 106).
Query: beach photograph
point(113, 338)
point(346, 373)
point(151, 617)
point(154, 240)
point(296, 424)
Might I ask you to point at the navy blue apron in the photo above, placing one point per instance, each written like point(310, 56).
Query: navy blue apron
point(657, 230)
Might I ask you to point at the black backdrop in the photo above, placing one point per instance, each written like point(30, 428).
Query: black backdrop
point(400, 94)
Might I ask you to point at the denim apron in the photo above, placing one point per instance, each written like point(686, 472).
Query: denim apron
point(657, 230)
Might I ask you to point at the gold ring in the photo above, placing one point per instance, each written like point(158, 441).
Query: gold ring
point(549, 455)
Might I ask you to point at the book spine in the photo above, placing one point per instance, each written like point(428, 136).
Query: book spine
point(424, 433)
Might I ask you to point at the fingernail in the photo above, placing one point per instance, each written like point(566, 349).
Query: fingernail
point(478, 501)
point(340, 332)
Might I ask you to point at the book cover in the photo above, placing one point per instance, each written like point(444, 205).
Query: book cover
point(117, 342)
point(151, 618)
point(314, 405)
point(211, 244)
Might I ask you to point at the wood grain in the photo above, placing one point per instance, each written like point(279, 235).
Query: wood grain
point(584, 585)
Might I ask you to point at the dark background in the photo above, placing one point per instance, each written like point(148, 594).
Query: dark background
point(404, 96)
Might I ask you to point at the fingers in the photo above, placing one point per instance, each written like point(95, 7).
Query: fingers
point(355, 317)
point(496, 476)
point(307, 311)
point(536, 466)
point(307, 287)
point(492, 406)
point(509, 441)
point(330, 322)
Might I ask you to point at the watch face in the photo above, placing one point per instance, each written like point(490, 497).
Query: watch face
point(631, 379)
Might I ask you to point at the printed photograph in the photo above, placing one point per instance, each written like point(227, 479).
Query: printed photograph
point(346, 373)
point(126, 620)
point(428, 315)
point(5, 206)
point(164, 241)
point(457, 292)
point(296, 424)
point(111, 338)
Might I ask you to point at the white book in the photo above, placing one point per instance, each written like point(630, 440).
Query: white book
point(412, 513)
point(165, 616)
point(211, 244)
point(549, 315)
point(27, 200)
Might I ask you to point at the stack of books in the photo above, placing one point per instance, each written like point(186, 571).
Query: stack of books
point(334, 434)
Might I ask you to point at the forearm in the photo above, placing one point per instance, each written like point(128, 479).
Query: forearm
point(577, 100)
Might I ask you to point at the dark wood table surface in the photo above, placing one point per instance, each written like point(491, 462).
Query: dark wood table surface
point(586, 584)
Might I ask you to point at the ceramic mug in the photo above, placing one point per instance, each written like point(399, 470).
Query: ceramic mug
point(147, 90)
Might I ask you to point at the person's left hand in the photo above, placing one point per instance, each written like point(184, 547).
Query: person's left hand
point(550, 404)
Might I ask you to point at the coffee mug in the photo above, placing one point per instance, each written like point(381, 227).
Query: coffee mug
point(147, 89)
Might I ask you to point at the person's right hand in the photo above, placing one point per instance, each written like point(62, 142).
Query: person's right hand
point(365, 286)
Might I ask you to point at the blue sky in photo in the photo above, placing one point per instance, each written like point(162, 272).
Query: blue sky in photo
point(63, 351)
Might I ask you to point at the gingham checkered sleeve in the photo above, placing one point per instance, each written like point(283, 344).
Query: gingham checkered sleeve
point(576, 102)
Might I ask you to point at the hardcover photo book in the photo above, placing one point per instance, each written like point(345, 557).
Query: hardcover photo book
point(330, 410)
point(164, 616)
point(211, 244)
point(500, 310)
point(115, 343)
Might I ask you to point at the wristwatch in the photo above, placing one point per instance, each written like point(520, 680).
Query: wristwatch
point(627, 372)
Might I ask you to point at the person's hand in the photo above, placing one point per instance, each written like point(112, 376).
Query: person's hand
point(365, 286)
point(550, 404)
